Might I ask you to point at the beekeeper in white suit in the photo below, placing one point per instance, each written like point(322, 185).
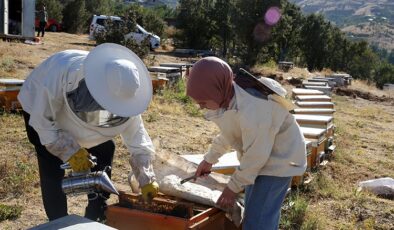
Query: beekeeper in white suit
point(74, 104)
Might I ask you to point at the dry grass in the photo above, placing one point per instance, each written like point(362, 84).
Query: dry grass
point(370, 87)
point(364, 136)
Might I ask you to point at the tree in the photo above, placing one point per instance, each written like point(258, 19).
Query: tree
point(249, 16)
point(315, 39)
point(100, 7)
point(384, 74)
point(287, 33)
point(338, 50)
point(363, 62)
point(194, 23)
point(222, 15)
point(75, 16)
point(54, 8)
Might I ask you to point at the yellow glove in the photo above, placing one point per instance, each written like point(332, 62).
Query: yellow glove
point(80, 161)
point(149, 191)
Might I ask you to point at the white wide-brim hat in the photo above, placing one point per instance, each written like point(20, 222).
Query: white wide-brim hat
point(125, 102)
point(277, 88)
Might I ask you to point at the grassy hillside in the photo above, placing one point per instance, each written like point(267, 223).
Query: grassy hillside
point(364, 19)
point(364, 136)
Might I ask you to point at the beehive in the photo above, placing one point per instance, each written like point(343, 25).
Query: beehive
point(318, 140)
point(9, 90)
point(313, 98)
point(301, 91)
point(299, 180)
point(312, 111)
point(315, 104)
point(164, 213)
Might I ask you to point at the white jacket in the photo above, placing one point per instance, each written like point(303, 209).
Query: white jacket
point(43, 96)
point(265, 135)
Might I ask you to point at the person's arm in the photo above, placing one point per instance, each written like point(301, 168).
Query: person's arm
point(43, 97)
point(218, 147)
point(141, 151)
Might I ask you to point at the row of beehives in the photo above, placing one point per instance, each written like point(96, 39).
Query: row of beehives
point(326, 84)
point(168, 74)
point(315, 116)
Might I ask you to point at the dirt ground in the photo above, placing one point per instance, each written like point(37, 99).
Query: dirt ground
point(364, 139)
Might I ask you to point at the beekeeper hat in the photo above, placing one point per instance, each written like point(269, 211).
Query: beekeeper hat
point(118, 79)
point(280, 98)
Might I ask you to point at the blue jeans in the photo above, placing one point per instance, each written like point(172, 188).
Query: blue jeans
point(263, 201)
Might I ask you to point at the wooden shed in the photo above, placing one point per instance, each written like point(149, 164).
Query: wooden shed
point(17, 19)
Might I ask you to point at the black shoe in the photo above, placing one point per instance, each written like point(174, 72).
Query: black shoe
point(95, 211)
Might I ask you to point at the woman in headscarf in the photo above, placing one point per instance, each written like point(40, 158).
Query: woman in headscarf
point(268, 141)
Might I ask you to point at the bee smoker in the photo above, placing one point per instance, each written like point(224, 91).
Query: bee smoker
point(87, 183)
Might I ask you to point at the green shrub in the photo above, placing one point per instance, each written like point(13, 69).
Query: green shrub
point(293, 212)
point(115, 32)
point(177, 93)
point(9, 212)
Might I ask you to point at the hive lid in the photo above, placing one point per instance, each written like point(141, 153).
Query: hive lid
point(315, 134)
point(228, 160)
point(306, 117)
point(312, 97)
point(11, 81)
point(314, 110)
point(307, 91)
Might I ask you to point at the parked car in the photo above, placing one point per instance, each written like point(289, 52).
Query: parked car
point(99, 21)
point(52, 25)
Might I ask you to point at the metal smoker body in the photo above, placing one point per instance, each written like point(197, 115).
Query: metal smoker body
point(87, 183)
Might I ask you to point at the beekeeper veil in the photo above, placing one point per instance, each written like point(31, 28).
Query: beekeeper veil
point(116, 87)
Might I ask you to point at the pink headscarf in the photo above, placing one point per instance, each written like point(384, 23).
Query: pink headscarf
point(211, 79)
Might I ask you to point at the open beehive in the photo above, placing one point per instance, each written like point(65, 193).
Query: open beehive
point(164, 213)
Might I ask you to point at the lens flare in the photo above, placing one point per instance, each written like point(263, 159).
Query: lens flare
point(272, 16)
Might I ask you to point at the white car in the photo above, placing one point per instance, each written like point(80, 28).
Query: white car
point(99, 21)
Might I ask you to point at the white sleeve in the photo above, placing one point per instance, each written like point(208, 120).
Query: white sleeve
point(141, 151)
point(218, 147)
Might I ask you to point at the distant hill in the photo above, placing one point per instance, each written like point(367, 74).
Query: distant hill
point(372, 20)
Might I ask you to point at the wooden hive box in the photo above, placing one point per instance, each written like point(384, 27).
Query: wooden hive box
point(299, 180)
point(9, 90)
point(313, 98)
point(315, 104)
point(321, 122)
point(318, 139)
point(313, 83)
point(164, 213)
point(312, 111)
point(325, 89)
point(301, 91)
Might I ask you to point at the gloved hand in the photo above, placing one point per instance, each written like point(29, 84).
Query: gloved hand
point(80, 161)
point(149, 191)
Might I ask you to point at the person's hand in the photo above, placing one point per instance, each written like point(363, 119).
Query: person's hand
point(80, 161)
point(149, 191)
point(227, 199)
point(204, 169)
